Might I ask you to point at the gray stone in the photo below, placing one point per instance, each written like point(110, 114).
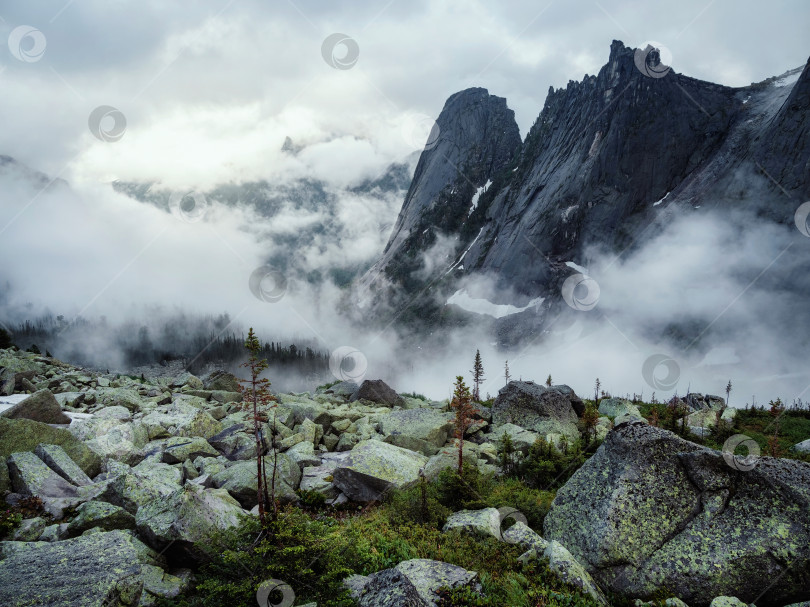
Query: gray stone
point(423, 430)
point(343, 388)
point(662, 512)
point(377, 391)
point(222, 380)
point(374, 467)
point(615, 407)
point(132, 488)
point(31, 476)
point(41, 406)
point(239, 479)
point(727, 601)
point(522, 439)
point(30, 529)
point(88, 571)
point(529, 405)
point(482, 523)
point(59, 461)
point(190, 515)
point(178, 449)
point(303, 454)
point(568, 569)
point(803, 447)
point(412, 583)
point(101, 515)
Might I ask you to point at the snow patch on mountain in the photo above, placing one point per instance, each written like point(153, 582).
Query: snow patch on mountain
point(463, 300)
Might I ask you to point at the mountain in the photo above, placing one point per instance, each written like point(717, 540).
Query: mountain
point(609, 162)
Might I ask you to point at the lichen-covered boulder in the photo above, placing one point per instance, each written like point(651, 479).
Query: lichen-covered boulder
point(191, 514)
point(412, 583)
point(524, 536)
point(59, 461)
point(119, 397)
point(96, 570)
point(803, 447)
point(377, 391)
point(423, 430)
point(373, 467)
point(18, 435)
point(122, 442)
point(614, 407)
point(180, 419)
point(529, 405)
point(727, 601)
point(239, 479)
point(568, 569)
point(101, 515)
point(132, 488)
point(447, 457)
point(650, 511)
point(221, 380)
point(522, 439)
point(31, 476)
point(483, 523)
point(178, 449)
point(41, 406)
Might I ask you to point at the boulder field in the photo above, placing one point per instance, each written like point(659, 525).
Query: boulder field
point(134, 476)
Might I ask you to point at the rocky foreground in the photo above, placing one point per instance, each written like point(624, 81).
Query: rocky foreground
point(134, 477)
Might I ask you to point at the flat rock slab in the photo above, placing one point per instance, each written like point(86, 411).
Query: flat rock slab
point(96, 570)
point(59, 461)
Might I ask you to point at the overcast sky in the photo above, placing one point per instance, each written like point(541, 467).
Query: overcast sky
point(209, 89)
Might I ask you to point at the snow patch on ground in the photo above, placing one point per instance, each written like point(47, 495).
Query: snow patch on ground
point(655, 204)
point(477, 195)
point(483, 306)
point(576, 267)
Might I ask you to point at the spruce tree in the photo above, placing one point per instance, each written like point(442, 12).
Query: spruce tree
point(462, 405)
point(478, 376)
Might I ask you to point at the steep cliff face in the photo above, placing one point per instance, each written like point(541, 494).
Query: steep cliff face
point(475, 139)
point(607, 158)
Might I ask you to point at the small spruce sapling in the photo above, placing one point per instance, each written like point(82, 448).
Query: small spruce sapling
point(256, 398)
point(462, 405)
point(506, 374)
point(548, 380)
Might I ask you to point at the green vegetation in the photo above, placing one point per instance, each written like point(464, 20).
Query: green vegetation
point(314, 549)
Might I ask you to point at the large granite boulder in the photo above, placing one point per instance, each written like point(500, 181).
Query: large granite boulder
point(482, 523)
point(412, 583)
point(59, 461)
point(100, 515)
point(96, 570)
point(41, 406)
point(616, 407)
point(423, 430)
point(222, 380)
point(31, 476)
point(377, 391)
point(373, 467)
point(180, 419)
point(239, 479)
point(651, 511)
point(536, 408)
point(132, 488)
point(18, 435)
point(190, 515)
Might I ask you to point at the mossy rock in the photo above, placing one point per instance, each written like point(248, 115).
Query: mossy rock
point(18, 435)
